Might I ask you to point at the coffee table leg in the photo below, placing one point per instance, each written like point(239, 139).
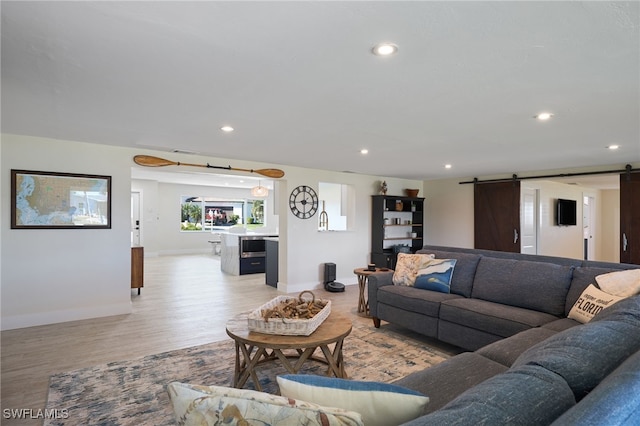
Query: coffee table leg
point(236, 372)
point(305, 355)
point(246, 367)
point(335, 360)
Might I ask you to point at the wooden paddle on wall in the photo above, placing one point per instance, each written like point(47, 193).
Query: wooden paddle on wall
point(150, 161)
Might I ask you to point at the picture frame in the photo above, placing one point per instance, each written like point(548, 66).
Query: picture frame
point(51, 200)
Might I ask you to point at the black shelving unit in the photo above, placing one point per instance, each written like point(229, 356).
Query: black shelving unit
point(393, 221)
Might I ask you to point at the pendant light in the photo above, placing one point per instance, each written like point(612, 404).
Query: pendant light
point(259, 191)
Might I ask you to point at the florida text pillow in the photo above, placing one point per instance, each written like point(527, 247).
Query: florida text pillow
point(590, 302)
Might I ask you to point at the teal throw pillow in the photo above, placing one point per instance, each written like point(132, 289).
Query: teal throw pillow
point(436, 275)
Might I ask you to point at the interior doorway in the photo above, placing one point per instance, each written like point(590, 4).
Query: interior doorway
point(529, 221)
point(135, 219)
point(588, 225)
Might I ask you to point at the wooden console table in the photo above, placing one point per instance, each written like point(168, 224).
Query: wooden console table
point(137, 267)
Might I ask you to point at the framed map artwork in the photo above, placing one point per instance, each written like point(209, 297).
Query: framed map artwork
point(49, 200)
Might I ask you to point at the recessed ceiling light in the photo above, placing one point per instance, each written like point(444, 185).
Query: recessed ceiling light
point(384, 49)
point(613, 147)
point(226, 129)
point(543, 116)
point(364, 151)
point(447, 166)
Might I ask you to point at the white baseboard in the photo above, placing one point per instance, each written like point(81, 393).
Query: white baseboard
point(54, 317)
point(296, 288)
point(183, 251)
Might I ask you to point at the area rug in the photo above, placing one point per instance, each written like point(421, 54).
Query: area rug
point(133, 392)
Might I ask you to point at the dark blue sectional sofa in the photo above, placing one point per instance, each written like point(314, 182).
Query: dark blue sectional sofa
point(530, 364)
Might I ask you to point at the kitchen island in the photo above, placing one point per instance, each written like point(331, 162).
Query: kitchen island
point(243, 253)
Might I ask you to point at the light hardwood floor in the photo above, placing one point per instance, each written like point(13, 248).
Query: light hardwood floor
point(186, 301)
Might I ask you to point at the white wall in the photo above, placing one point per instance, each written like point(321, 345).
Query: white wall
point(303, 249)
point(308, 250)
point(53, 276)
point(60, 275)
point(553, 240)
point(448, 213)
point(56, 275)
point(449, 218)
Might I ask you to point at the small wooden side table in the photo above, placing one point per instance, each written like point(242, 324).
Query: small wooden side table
point(363, 277)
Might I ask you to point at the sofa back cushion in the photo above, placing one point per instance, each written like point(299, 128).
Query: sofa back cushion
point(464, 271)
point(586, 354)
point(527, 395)
point(615, 401)
point(539, 286)
point(626, 310)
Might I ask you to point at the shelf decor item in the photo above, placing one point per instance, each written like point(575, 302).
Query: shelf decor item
point(383, 188)
point(399, 205)
point(412, 193)
point(264, 319)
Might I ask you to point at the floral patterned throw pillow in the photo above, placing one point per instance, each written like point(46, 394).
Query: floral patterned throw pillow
point(407, 267)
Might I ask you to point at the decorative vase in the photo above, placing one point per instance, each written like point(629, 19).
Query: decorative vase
point(383, 188)
point(399, 205)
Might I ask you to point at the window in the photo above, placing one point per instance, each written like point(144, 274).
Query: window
point(207, 214)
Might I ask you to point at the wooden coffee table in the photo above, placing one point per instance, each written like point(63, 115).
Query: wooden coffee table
point(254, 348)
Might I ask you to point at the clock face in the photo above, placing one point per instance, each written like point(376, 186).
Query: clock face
point(303, 202)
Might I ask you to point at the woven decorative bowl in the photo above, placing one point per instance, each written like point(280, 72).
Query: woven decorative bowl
point(413, 193)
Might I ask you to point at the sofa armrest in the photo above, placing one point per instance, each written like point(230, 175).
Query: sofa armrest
point(375, 281)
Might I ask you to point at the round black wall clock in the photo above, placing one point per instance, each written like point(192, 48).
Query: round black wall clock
point(303, 202)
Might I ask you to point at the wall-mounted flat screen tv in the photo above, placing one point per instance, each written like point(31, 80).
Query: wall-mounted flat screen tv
point(566, 212)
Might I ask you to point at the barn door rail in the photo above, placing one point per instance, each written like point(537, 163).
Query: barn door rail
point(628, 169)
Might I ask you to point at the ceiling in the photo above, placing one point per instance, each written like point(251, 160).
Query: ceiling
point(298, 82)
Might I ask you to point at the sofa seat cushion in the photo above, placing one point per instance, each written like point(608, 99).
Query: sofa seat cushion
point(561, 324)
point(538, 286)
point(506, 351)
point(413, 299)
point(527, 395)
point(586, 354)
point(464, 272)
point(495, 318)
point(445, 381)
point(615, 401)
